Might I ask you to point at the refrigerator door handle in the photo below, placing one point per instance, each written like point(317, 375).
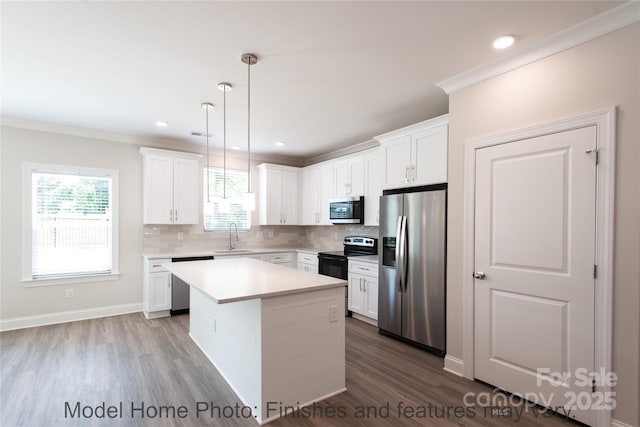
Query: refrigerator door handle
point(399, 271)
point(403, 253)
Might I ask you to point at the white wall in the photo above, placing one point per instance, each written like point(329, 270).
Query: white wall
point(18, 146)
point(602, 73)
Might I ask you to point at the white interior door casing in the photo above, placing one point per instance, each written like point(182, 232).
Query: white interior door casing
point(535, 241)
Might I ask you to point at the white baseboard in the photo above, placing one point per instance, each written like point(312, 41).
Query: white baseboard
point(67, 316)
point(454, 365)
point(616, 423)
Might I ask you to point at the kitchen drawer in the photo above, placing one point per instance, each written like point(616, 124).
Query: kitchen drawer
point(363, 268)
point(280, 258)
point(306, 258)
point(155, 265)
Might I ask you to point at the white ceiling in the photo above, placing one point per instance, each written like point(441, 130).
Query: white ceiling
point(330, 74)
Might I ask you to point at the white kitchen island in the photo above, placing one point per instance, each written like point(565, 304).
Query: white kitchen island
point(276, 334)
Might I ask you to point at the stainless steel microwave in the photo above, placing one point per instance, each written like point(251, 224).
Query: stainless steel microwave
point(347, 211)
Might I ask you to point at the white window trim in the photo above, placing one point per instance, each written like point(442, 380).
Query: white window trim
point(27, 242)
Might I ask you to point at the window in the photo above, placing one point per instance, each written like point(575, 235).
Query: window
point(217, 218)
point(72, 223)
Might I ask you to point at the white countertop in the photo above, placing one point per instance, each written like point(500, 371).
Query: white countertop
point(238, 279)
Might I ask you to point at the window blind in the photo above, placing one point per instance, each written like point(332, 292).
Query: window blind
point(218, 217)
point(72, 227)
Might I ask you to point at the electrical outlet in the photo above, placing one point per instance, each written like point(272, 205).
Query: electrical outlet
point(180, 235)
point(271, 234)
point(70, 294)
point(333, 313)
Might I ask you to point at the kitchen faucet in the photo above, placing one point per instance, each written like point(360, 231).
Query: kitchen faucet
point(232, 242)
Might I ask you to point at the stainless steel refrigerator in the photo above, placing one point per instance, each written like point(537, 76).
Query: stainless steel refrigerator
point(412, 289)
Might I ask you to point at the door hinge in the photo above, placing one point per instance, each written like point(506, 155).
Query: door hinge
point(595, 271)
point(596, 153)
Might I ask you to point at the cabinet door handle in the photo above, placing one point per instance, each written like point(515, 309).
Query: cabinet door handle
point(156, 265)
point(413, 172)
point(170, 215)
point(406, 173)
point(176, 215)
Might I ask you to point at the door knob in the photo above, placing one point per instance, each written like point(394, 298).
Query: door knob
point(479, 275)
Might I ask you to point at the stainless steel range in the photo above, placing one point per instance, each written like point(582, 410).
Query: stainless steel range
point(335, 264)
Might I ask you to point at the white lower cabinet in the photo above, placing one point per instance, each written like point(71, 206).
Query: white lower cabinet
point(363, 291)
point(307, 261)
point(156, 290)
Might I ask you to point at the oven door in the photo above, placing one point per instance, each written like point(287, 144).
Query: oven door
point(333, 265)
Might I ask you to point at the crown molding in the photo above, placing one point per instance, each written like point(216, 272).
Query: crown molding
point(356, 148)
point(607, 22)
point(159, 143)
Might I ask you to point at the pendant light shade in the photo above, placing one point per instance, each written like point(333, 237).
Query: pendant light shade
point(249, 198)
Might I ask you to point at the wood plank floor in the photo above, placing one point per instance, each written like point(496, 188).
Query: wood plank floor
point(130, 360)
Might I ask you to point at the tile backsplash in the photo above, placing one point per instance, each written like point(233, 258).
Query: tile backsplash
point(192, 238)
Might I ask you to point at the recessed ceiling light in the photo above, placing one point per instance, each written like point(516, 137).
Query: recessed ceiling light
point(235, 147)
point(279, 144)
point(503, 42)
point(162, 124)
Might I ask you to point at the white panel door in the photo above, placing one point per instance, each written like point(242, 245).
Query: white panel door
point(373, 188)
point(289, 198)
point(186, 191)
point(160, 291)
point(371, 297)
point(325, 178)
point(309, 198)
point(356, 293)
point(429, 157)
point(356, 170)
point(158, 194)
point(397, 155)
point(273, 198)
point(535, 243)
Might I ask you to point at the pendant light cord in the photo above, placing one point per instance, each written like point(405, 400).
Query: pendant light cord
point(208, 169)
point(249, 126)
point(224, 132)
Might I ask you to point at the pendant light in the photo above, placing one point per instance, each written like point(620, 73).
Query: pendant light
point(208, 205)
point(225, 206)
point(249, 198)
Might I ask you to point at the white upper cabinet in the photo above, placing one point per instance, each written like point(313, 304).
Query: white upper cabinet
point(374, 164)
point(349, 177)
point(171, 187)
point(325, 191)
point(309, 197)
point(417, 154)
point(316, 191)
point(278, 194)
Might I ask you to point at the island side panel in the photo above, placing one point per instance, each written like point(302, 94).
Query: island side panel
point(303, 349)
point(229, 335)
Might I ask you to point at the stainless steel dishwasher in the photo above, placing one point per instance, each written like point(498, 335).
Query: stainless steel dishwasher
point(180, 290)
